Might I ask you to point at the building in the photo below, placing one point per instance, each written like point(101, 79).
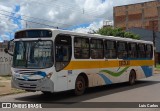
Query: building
point(147, 35)
point(141, 18)
point(107, 23)
point(5, 60)
point(142, 15)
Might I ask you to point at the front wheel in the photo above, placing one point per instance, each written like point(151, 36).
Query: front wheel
point(80, 86)
point(132, 77)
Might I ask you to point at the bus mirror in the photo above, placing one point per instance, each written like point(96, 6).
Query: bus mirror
point(6, 50)
point(8, 47)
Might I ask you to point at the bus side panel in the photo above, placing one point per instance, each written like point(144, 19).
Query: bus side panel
point(114, 75)
point(93, 77)
point(104, 76)
point(144, 71)
point(61, 81)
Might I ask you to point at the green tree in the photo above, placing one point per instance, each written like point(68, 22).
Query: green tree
point(117, 32)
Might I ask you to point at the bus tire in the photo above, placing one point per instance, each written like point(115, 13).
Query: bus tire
point(132, 77)
point(80, 86)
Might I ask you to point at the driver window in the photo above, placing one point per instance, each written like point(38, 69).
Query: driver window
point(63, 51)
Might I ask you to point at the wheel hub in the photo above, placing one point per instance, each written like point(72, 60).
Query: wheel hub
point(79, 85)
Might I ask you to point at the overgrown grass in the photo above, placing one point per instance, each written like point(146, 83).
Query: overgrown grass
point(17, 90)
point(1, 85)
point(158, 66)
point(6, 77)
point(13, 91)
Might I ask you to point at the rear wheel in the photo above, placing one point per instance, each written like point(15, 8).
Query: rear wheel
point(132, 77)
point(80, 86)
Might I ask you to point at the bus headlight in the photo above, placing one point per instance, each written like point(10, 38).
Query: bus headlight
point(49, 75)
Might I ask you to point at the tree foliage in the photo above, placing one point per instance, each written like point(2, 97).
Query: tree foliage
point(117, 32)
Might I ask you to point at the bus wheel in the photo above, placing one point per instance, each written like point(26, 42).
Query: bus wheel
point(80, 86)
point(132, 77)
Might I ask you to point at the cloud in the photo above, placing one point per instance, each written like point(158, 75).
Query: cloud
point(94, 26)
point(67, 13)
point(7, 24)
point(5, 37)
point(59, 13)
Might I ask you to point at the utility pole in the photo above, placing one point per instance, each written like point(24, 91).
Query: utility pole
point(154, 42)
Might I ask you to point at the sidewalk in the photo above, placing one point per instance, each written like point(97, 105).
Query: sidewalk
point(5, 85)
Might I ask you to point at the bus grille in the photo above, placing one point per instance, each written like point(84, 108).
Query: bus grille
point(27, 85)
point(27, 80)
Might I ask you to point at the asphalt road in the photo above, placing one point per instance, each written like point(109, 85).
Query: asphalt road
point(146, 90)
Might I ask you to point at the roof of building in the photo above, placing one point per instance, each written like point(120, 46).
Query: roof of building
point(135, 3)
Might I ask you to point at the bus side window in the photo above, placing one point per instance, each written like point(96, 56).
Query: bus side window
point(122, 50)
point(110, 49)
point(81, 48)
point(132, 50)
point(96, 46)
point(141, 51)
point(149, 51)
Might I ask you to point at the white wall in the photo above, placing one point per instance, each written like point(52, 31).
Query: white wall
point(5, 63)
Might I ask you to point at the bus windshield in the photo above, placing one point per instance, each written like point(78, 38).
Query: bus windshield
point(33, 54)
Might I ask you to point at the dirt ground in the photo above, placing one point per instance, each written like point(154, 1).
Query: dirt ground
point(5, 85)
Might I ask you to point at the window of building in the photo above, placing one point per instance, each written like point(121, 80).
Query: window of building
point(149, 51)
point(132, 50)
point(110, 49)
point(81, 48)
point(97, 49)
point(122, 50)
point(141, 51)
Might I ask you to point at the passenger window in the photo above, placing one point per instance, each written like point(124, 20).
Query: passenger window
point(122, 50)
point(149, 51)
point(110, 49)
point(132, 50)
point(141, 51)
point(81, 48)
point(96, 49)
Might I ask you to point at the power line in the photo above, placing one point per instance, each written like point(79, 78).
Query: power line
point(68, 25)
point(13, 13)
point(27, 20)
point(82, 10)
point(33, 17)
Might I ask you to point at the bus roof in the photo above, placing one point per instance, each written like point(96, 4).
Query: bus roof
point(102, 36)
point(90, 35)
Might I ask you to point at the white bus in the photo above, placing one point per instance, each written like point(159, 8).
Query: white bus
point(53, 60)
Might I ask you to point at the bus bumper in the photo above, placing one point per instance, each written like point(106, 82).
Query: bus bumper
point(44, 84)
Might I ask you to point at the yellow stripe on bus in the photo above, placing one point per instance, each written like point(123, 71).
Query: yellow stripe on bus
point(73, 65)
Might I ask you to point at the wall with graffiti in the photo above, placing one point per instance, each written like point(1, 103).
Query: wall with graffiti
point(5, 63)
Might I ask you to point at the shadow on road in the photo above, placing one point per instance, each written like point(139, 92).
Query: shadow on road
point(90, 93)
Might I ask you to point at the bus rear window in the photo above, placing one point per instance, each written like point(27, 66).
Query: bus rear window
point(33, 34)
